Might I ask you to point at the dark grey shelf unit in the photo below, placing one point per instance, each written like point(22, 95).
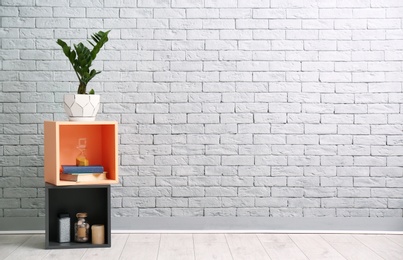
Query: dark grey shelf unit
point(93, 199)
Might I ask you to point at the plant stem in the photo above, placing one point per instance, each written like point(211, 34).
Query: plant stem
point(82, 88)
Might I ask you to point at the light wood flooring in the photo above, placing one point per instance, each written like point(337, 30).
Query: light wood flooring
point(215, 246)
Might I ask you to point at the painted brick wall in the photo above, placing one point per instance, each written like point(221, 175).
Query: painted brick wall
point(226, 107)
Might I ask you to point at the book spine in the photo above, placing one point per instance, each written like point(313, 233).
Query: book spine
point(83, 169)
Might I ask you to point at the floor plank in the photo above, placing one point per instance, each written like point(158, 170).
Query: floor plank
point(144, 238)
point(140, 251)
point(350, 248)
point(9, 243)
point(141, 247)
point(66, 254)
point(398, 239)
point(209, 238)
point(383, 246)
point(118, 243)
point(211, 246)
point(281, 246)
point(246, 246)
point(315, 247)
point(33, 248)
point(176, 246)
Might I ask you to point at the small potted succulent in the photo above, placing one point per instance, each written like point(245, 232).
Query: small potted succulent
point(83, 106)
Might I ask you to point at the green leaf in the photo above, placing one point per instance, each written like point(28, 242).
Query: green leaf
point(100, 38)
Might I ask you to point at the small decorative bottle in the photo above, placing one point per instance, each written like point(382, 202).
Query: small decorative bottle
point(81, 159)
point(81, 228)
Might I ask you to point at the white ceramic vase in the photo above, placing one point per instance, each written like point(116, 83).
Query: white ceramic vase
point(81, 107)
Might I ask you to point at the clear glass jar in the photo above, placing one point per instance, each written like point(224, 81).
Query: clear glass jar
point(81, 228)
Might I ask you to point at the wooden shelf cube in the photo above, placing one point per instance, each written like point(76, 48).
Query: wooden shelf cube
point(61, 141)
point(93, 199)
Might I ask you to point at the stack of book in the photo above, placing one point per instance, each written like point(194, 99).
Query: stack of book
point(82, 173)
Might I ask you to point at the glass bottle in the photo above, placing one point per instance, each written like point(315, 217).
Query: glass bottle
point(81, 228)
point(81, 159)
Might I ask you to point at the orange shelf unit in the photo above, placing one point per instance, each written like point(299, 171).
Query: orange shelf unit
point(60, 145)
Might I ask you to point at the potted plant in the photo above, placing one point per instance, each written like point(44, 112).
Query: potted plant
point(83, 106)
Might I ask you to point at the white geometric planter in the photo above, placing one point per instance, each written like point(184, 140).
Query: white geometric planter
point(81, 107)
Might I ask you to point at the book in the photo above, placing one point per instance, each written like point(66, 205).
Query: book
point(81, 177)
point(82, 169)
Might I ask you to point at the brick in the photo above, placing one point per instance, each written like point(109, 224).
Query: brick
point(187, 3)
point(270, 118)
point(171, 160)
point(370, 161)
point(216, 212)
point(270, 181)
point(254, 192)
point(188, 149)
point(153, 3)
point(171, 181)
point(336, 181)
point(188, 129)
point(220, 191)
point(373, 202)
point(353, 171)
point(270, 160)
point(187, 212)
point(172, 202)
point(9, 203)
point(154, 212)
point(337, 160)
point(270, 202)
point(369, 182)
point(124, 192)
point(385, 212)
point(319, 212)
point(138, 202)
point(187, 170)
point(354, 192)
point(19, 192)
point(10, 182)
point(212, 202)
point(304, 203)
point(233, 12)
point(220, 170)
point(21, 213)
point(218, 107)
point(254, 149)
point(320, 171)
point(287, 192)
point(188, 192)
point(237, 202)
point(236, 181)
point(204, 160)
point(386, 192)
point(253, 212)
point(315, 192)
point(139, 181)
point(237, 160)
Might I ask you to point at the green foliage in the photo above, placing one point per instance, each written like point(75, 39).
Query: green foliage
point(81, 58)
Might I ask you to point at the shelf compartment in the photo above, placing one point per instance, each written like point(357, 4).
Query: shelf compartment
point(93, 199)
point(60, 144)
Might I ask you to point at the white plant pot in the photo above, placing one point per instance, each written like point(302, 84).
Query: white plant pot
point(81, 107)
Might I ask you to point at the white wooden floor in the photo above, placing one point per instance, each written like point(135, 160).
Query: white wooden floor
point(215, 246)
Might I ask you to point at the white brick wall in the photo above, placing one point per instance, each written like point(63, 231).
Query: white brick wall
point(226, 107)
